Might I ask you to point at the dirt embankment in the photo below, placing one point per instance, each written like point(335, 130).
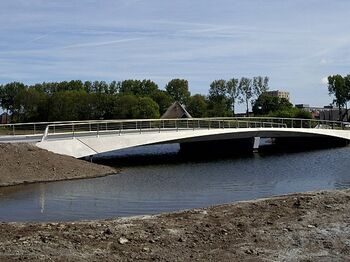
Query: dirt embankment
point(24, 163)
point(300, 227)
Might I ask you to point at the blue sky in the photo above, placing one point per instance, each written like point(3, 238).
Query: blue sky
point(296, 43)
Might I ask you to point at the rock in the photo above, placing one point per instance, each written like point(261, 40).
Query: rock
point(108, 232)
point(123, 240)
point(297, 203)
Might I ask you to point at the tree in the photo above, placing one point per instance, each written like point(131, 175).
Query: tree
point(9, 98)
point(338, 88)
point(147, 108)
point(232, 92)
point(245, 92)
point(178, 90)
point(219, 102)
point(266, 104)
point(163, 99)
point(260, 85)
point(33, 105)
point(197, 106)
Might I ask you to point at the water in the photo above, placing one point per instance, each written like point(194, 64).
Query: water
point(177, 185)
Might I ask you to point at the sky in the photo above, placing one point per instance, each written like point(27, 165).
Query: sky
point(296, 43)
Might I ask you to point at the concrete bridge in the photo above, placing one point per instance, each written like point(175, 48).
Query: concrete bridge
point(87, 138)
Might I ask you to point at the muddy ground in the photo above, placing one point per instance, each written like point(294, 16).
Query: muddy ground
point(25, 163)
point(299, 227)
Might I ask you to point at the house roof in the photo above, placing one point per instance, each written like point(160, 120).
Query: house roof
point(176, 110)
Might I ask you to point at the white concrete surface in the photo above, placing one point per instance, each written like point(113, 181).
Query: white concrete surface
point(90, 145)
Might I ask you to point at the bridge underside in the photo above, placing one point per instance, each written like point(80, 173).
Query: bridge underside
point(246, 145)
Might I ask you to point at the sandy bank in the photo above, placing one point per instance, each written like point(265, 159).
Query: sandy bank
point(299, 227)
point(25, 163)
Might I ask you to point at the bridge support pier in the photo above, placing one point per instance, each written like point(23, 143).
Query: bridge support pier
point(214, 148)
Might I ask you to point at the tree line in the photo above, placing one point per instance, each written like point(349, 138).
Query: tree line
point(78, 100)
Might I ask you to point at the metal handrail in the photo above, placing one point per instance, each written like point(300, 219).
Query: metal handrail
point(43, 128)
point(143, 125)
point(154, 125)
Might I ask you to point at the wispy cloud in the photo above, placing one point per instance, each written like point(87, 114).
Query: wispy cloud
point(98, 44)
point(296, 43)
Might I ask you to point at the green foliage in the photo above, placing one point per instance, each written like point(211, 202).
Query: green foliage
point(245, 91)
point(163, 99)
point(339, 87)
point(291, 113)
point(266, 104)
point(178, 90)
point(219, 104)
point(78, 100)
point(260, 85)
point(197, 106)
point(8, 95)
point(147, 108)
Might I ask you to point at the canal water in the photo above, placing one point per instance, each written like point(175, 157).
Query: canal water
point(167, 182)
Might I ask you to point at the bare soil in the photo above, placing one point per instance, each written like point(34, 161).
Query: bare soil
point(25, 163)
point(299, 227)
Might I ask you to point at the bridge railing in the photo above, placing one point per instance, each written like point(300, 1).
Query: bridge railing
point(305, 123)
point(104, 126)
point(150, 125)
point(29, 129)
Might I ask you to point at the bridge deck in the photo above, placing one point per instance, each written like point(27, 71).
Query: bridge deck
point(80, 139)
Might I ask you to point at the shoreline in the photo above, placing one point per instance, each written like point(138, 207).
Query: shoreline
point(301, 226)
point(13, 184)
point(27, 164)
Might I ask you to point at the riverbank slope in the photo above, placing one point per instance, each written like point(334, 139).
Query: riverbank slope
point(300, 227)
point(25, 163)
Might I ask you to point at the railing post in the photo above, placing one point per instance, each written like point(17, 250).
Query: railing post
point(140, 126)
point(73, 130)
point(98, 129)
point(301, 123)
point(34, 129)
point(292, 124)
point(13, 130)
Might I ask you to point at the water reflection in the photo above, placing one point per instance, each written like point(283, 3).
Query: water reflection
point(169, 186)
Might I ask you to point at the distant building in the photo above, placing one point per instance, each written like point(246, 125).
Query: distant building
point(4, 118)
point(278, 93)
point(325, 113)
point(176, 110)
